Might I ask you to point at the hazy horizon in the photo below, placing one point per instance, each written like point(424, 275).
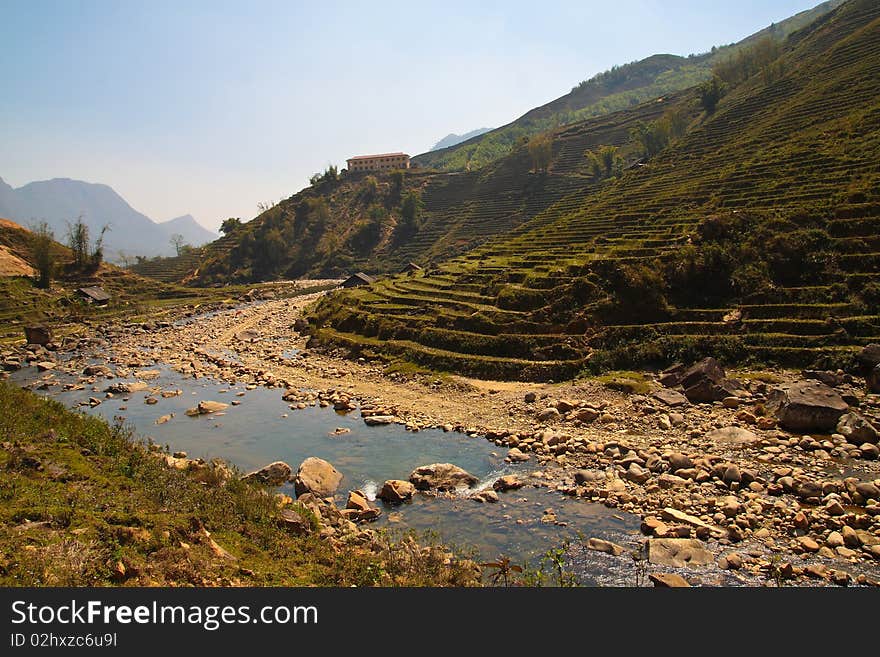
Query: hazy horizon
point(209, 109)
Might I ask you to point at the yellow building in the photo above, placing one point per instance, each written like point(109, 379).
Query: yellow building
point(384, 162)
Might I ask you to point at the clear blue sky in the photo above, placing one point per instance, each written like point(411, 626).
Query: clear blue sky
point(211, 107)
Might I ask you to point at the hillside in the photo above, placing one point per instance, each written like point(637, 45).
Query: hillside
point(607, 92)
point(62, 200)
point(751, 237)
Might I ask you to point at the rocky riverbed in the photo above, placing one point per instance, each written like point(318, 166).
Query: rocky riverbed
point(770, 474)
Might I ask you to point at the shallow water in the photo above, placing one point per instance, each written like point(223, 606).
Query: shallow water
point(257, 432)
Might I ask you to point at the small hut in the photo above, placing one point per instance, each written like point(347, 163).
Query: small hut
point(356, 280)
point(411, 268)
point(95, 294)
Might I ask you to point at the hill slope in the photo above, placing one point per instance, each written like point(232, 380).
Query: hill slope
point(607, 92)
point(62, 200)
point(186, 226)
point(753, 236)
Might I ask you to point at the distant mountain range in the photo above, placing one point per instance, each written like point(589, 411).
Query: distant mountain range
point(453, 139)
point(62, 200)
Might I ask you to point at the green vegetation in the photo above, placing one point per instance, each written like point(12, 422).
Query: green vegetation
point(87, 504)
point(541, 151)
point(44, 260)
point(749, 234)
point(617, 89)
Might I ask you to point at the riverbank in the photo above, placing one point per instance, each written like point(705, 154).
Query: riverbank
point(88, 504)
point(718, 485)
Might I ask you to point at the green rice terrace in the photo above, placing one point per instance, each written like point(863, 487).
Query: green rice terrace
point(750, 235)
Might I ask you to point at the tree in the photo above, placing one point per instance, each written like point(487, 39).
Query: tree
point(711, 92)
point(178, 242)
point(42, 250)
point(262, 206)
point(652, 137)
point(410, 209)
point(604, 162)
point(78, 241)
point(541, 150)
point(230, 225)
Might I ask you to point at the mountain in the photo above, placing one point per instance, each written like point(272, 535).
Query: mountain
point(62, 200)
point(749, 234)
point(616, 89)
point(453, 139)
point(192, 231)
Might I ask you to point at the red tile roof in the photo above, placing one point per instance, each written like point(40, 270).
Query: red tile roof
point(370, 157)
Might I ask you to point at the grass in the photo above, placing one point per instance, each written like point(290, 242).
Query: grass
point(83, 503)
point(625, 381)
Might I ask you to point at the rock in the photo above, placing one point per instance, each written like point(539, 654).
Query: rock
point(671, 377)
point(869, 357)
point(868, 490)
point(507, 482)
point(515, 455)
point(667, 481)
point(678, 552)
point(293, 522)
point(274, 474)
point(706, 369)
point(856, 429)
point(705, 382)
point(164, 418)
point(97, 370)
point(565, 405)
point(732, 561)
point(670, 397)
point(588, 476)
point(873, 380)
point(850, 538)
point(807, 406)
point(151, 401)
point(396, 491)
point(316, 476)
point(637, 473)
point(549, 414)
point(586, 414)
point(40, 335)
point(601, 545)
point(124, 388)
point(678, 461)
point(674, 515)
point(530, 397)
point(869, 451)
point(732, 436)
point(206, 408)
point(808, 544)
point(834, 540)
point(45, 365)
point(441, 476)
point(487, 495)
point(806, 489)
point(668, 580)
point(358, 507)
point(377, 420)
point(731, 475)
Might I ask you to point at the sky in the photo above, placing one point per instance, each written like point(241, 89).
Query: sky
point(209, 108)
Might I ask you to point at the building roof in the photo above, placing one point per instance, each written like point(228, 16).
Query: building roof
point(95, 293)
point(412, 265)
point(362, 276)
point(370, 157)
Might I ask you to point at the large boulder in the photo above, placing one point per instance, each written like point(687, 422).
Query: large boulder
point(869, 357)
point(441, 476)
point(206, 408)
point(732, 436)
point(274, 474)
point(703, 381)
point(874, 380)
point(316, 476)
point(857, 429)
point(678, 552)
point(807, 406)
point(396, 491)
